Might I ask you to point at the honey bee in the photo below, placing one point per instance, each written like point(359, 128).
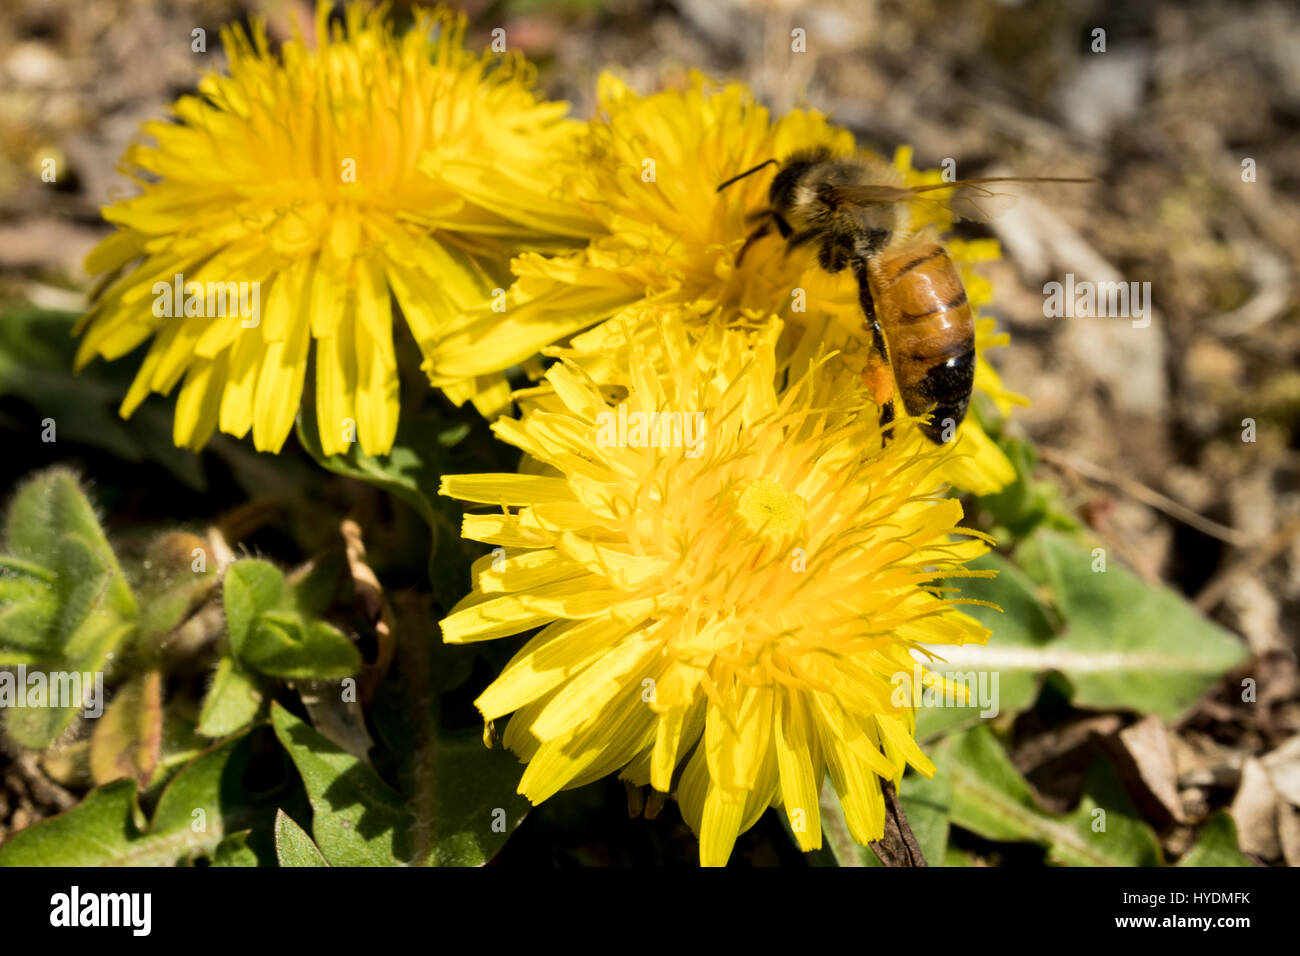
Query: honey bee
point(912, 297)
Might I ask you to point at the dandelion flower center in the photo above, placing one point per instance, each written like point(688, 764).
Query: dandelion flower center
point(769, 510)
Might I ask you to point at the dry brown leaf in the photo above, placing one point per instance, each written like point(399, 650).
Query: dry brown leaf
point(1148, 750)
point(1203, 762)
point(1283, 766)
point(127, 741)
point(1255, 811)
point(1288, 830)
point(370, 601)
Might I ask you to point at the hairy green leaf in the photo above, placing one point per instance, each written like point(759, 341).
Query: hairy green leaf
point(250, 589)
point(293, 847)
point(283, 645)
point(232, 702)
point(235, 851)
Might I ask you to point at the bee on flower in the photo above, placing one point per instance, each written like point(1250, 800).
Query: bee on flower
point(648, 170)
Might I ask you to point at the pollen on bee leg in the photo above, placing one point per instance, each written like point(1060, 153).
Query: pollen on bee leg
point(879, 381)
point(878, 378)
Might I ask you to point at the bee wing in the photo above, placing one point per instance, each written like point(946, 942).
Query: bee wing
point(977, 204)
point(967, 198)
point(971, 199)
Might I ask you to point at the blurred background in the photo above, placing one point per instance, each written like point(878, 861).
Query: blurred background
point(1189, 120)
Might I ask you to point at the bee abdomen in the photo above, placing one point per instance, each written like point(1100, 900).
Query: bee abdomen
point(946, 391)
point(922, 307)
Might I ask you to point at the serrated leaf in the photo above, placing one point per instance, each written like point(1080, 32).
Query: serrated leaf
point(293, 847)
point(991, 798)
point(232, 702)
point(357, 819)
point(1216, 845)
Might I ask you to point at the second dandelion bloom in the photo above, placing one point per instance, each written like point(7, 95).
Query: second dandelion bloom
point(728, 574)
point(647, 170)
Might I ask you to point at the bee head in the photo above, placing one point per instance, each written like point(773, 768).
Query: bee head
point(783, 192)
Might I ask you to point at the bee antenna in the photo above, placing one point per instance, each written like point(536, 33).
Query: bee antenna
point(748, 172)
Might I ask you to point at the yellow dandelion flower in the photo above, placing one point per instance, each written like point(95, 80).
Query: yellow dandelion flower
point(296, 196)
point(727, 575)
point(648, 171)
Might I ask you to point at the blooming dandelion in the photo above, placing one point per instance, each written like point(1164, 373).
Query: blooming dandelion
point(668, 239)
point(327, 180)
point(672, 241)
point(766, 580)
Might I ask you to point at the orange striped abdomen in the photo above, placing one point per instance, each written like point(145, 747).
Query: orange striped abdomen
point(921, 305)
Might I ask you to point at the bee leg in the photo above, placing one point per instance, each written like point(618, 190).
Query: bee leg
point(763, 229)
point(803, 237)
point(886, 423)
point(879, 348)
